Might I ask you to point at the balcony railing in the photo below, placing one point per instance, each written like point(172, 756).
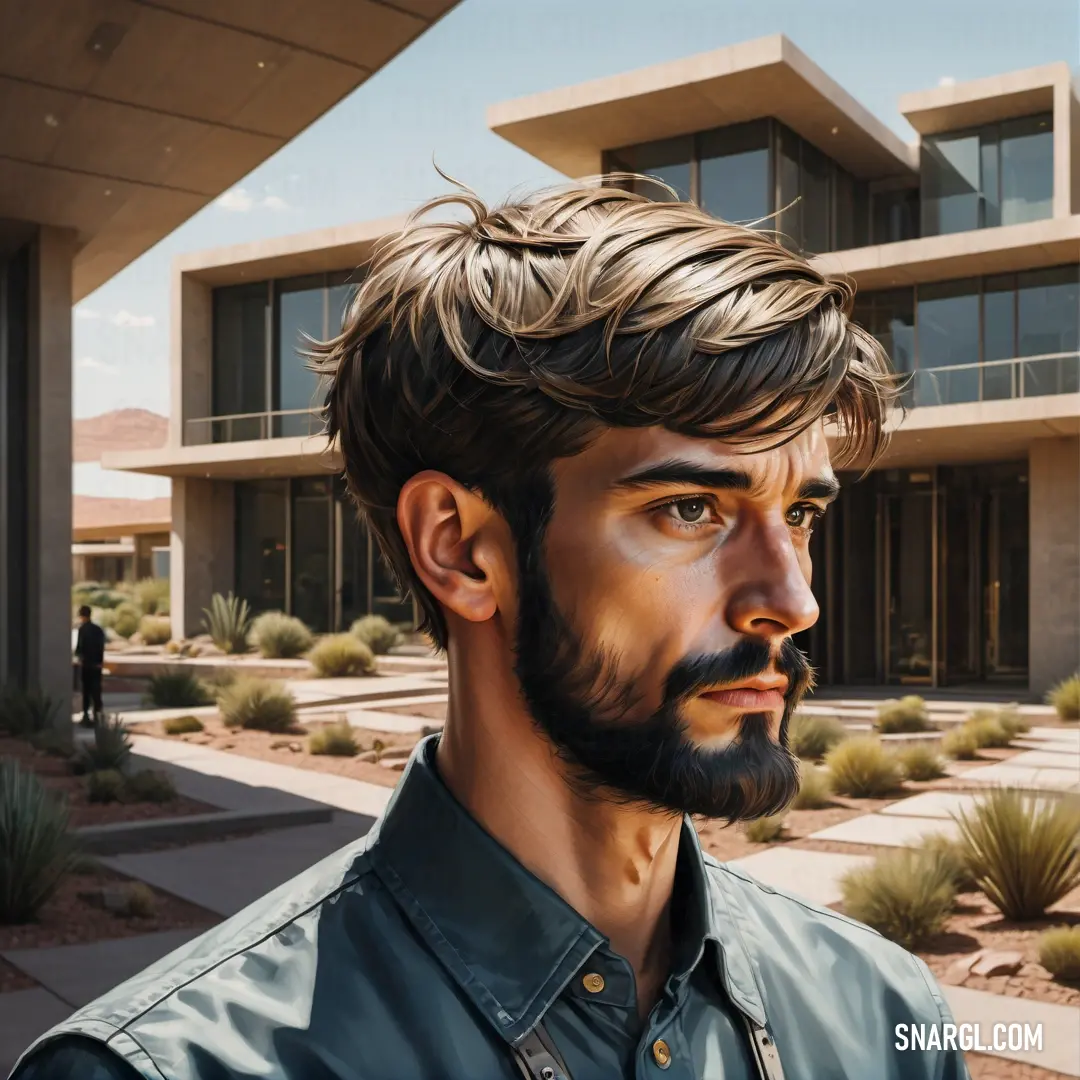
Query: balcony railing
point(245, 427)
point(995, 380)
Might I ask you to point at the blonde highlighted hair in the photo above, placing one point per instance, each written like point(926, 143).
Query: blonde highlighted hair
point(489, 346)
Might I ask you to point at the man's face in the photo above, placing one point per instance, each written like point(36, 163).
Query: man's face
point(655, 621)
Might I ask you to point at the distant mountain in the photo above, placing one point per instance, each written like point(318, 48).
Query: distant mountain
point(121, 429)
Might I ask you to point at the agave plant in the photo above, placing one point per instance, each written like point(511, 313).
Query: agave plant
point(110, 749)
point(1022, 850)
point(26, 712)
point(36, 849)
point(228, 620)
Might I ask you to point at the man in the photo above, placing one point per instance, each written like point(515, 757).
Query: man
point(590, 434)
point(90, 652)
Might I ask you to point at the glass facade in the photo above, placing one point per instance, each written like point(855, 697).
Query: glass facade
point(749, 172)
point(301, 549)
point(981, 339)
point(261, 384)
point(1000, 174)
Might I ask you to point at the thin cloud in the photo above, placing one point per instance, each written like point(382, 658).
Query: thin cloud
point(88, 363)
point(239, 200)
point(86, 313)
point(126, 318)
point(947, 80)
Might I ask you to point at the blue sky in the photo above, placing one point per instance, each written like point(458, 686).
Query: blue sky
point(371, 155)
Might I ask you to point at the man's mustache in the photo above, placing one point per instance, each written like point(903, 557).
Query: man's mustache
point(744, 660)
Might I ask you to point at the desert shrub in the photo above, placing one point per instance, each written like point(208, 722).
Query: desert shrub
point(141, 901)
point(1022, 850)
point(765, 830)
point(36, 849)
point(337, 740)
point(152, 596)
point(988, 732)
point(863, 768)
point(149, 785)
point(960, 743)
point(182, 725)
point(126, 619)
point(815, 791)
point(177, 689)
point(1014, 724)
point(921, 762)
point(1059, 952)
point(54, 743)
point(228, 621)
point(25, 713)
point(340, 655)
point(376, 632)
point(105, 786)
point(278, 636)
point(155, 629)
point(107, 599)
point(902, 894)
point(217, 679)
point(812, 737)
point(950, 853)
point(1065, 697)
point(109, 749)
point(105, 618)
point(258, 704)
point(907, 714)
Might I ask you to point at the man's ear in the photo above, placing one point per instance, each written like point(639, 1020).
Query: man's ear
point(457, 543)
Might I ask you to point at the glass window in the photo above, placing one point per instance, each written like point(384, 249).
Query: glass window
point(668, 160)
point(789, 218)
point(950, 184)
point(312, 564)
point(948, 337)
point(341, 289)
point(239, 361)
point(300, 316)
point(990, 179)
point(852, 211)
point(816, 189)
point(895, 215)
point(1048, 322)
point(1027, 169)
point(999, 336)
point(734, 172)
point(260, 543)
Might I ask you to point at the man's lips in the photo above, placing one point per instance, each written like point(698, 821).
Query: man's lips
point(765, 694)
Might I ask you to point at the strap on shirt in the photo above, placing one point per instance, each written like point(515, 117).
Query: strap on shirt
point(538, 1058)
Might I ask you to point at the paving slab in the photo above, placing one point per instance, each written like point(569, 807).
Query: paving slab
point(78, 974)
point(24, 1015)
point(341, 792)
point(813, 875)
point(1060, 1026)
point(1049, 759)
point(224, 877)
point(931, 804)
point(1071, 736)
point(394, 723)
point(1008, 775)
point(886, 831)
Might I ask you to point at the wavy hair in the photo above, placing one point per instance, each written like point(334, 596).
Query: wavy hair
point(490, 345)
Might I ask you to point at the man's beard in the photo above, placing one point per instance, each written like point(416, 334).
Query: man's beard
point(577, 697)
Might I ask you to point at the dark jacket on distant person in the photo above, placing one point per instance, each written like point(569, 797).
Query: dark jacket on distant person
point(90, 645)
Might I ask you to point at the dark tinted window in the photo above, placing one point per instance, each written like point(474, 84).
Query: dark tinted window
point(239, 359)
point(261, 537)
point(734, 182)
point(300, 316)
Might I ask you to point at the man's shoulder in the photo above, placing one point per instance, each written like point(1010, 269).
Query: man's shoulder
point(786, 930)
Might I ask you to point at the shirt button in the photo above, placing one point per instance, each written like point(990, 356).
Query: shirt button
point(593, 983)
point(662, 1053)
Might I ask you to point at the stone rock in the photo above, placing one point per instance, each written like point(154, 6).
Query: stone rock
point(1034, 971)
point(367, 755)
point(998, 963)
point(958, 971)
point(115, 898)
point(295, 748)
point(397, 764)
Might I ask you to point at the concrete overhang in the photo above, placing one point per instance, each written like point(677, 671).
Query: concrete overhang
point(257, 459)
point(1051, 242)
point(118, 548)
point(984, 101)
point(340, 248)
point(120, 119)
point(569, 128)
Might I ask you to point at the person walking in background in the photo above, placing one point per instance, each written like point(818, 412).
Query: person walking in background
point(90, 652)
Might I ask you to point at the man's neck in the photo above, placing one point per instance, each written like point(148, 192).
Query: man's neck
point(613, 864)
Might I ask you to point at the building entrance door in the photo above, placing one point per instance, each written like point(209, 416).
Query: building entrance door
point(1007, 583)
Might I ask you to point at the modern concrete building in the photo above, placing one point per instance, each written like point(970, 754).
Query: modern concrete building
point(957, 561)
point(119, 121)
point(116, 540)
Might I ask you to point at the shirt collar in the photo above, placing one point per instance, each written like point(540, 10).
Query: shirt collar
point(509, 940)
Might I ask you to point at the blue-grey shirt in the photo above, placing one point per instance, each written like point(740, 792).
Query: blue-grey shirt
point(426, 951)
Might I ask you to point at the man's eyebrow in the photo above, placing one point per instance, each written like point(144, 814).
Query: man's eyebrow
point(826, 488)
point(677, 471)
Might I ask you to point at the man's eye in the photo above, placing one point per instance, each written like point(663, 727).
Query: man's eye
point(803, 516)
point(690, 511)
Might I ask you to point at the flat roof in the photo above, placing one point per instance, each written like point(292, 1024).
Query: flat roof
point(983, 101)
point(343, 247)
point(305, 455)
point(567, 128)
point(122, 119)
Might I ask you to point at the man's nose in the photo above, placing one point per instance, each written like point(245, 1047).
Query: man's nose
point(769, 589)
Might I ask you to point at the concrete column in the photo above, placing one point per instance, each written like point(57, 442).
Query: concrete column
point(201, 549)
point(190, 358)
point(48, 413)
point(1055, 561)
